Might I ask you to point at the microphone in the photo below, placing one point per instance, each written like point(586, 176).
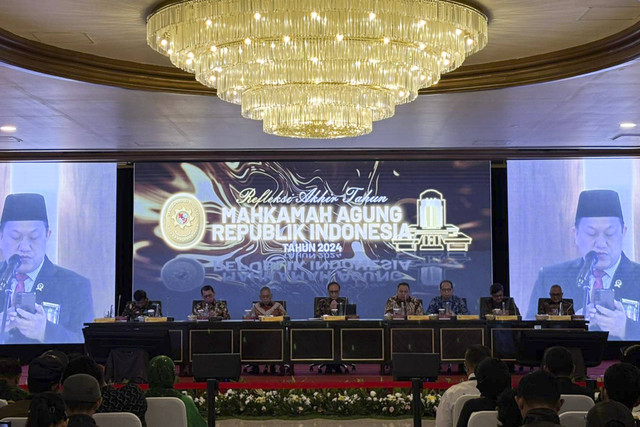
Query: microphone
point(118, 306)
point(590, 260)
point(12, 265)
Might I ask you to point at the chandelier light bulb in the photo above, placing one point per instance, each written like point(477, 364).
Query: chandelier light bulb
point(309, 79)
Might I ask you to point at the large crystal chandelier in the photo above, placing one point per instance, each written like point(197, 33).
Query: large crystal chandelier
point(317, 68)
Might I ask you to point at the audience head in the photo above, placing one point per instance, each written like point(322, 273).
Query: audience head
point(162, 372)
point(10, 370)
point(265, 295)
point(208, 294)
point(446, 289)
point(334, 290)
point(497, 292)
point(84, 365)
point(60, 355)
point(555, 294)
point(403, 291)
point(44, 374)
point(538, 390)
point(81, 394)
point(493, 377)
point(631, 355)
point(610, 414)
point(558, 361)
point(622, 384)
point(47, 410)
point(474, 355)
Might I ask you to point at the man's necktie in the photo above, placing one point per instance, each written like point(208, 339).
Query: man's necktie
point(20, 278)
point(597, 282)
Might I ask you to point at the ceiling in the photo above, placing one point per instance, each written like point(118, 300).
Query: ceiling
point(484, 105)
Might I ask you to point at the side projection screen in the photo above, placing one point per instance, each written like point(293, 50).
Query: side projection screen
point(296, 226)
point(572, 237)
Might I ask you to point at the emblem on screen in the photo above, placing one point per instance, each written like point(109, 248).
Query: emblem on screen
point(432, 233)
point(182, 221)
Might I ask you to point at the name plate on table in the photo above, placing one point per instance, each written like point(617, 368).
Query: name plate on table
point(563, 317)
point(418, 317)
point(271, 318)
point(468, 317)
point(507, 317)
point(155, 319)
point(104, 320)
point(332, 318)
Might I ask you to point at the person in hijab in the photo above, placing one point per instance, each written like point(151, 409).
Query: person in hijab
point(493, 378)
point(162, 376)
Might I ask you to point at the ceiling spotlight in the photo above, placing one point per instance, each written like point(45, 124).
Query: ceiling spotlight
point(8, 128)
point(627, 125)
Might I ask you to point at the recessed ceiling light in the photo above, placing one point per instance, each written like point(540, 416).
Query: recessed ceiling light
point(627, 125)
point(8, 128)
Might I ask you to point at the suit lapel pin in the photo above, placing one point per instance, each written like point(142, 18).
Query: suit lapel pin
point(618, 284)
point(40, 287)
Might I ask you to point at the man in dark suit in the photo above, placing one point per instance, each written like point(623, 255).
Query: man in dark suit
point(558, 361)
point(487, 305)
point(63, 300)
point(332, 302)
point(598, 232)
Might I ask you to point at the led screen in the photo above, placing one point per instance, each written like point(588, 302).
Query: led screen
point(296, 226)
point(57, 239)
point(572, 223)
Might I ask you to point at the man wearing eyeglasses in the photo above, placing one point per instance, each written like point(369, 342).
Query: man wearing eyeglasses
point(555, 301)
point(332, 302)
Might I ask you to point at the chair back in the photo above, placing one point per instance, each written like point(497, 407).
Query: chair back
point(575, 402)
point(3, 403)
point(166, 412)
point(116, 419)
point(15, 421)
point(573, 418)
point(457, 408)
point(484, 419)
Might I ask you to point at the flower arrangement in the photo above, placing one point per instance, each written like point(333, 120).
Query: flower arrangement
point(355, 403)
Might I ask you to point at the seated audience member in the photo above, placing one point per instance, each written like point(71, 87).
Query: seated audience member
point(140, 306)
point(559, 362)
point(610, 414)
point(47, 410)
point(44, 375)
point(325, 305)
point(60, 355)
point(493, 379)
point(209, 307)
point(128, 398)
point(472, 357)
point(622, 384)
point(162, 376)
point(81, 394)
point(538, 398)
point(488, 305)
point(403, 303)
point(446, 299)
point(266, 307)
point(552, 306)
point(10, 372)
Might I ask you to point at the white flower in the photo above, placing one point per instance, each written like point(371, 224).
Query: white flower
point(263, 409)
point(384, 409)
point(391, 409)
point(300, 409)
point(372, 393)
point(398, 395)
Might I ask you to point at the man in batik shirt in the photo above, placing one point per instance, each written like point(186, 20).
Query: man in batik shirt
point(209, 307)
point(266, 307)
point(405, 303)
point(446, 299)
point(333, 301)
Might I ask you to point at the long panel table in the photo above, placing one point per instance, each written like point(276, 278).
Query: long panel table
point(309, 341)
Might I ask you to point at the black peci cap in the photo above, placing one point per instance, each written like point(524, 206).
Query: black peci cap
point(598, 203)
point(24, 207)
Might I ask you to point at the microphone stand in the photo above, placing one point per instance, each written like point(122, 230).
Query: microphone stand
point(7, 300)
point(584, 283)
